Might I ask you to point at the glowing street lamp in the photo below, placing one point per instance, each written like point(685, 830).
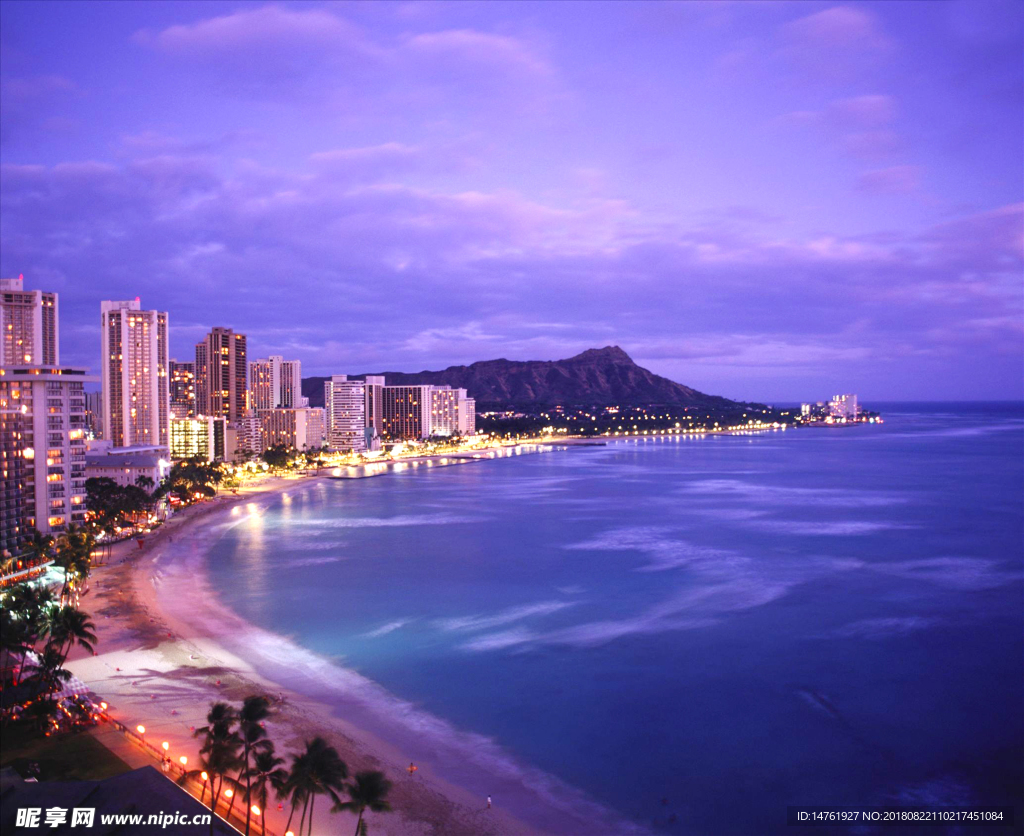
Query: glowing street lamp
point(255, 810)
point(205, 778)
point(183, 760)
point(142, 731)
point(165, 745)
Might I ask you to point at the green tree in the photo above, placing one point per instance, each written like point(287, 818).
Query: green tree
point(69, 626)
point(255, 709)
point(369, 791)
point(266, 774)
point(319, 770)
point(220, 750)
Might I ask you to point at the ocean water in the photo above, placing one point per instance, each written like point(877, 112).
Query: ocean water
point(693, 633)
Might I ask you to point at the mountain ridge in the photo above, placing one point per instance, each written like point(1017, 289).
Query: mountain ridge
point(598, 376)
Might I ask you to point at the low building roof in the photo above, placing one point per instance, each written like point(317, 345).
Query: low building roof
point(142, 791)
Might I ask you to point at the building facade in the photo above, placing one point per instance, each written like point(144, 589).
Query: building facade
point(444, 411)
point(345, 414)
point(466, 413)
point(136, 394)
point(275, 383)
point(373, 402)
point(301, 428)
point(28, 325)
point(405, 412)
point(204, 436)
point(183, 389)
point(244, 438)
point(221, 372)
point(126, 466)
point(42, 450)
point(843, 407)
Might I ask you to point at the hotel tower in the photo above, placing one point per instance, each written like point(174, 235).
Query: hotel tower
point(136, 394)
point(28, 325)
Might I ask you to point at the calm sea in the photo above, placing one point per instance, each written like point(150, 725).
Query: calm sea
point(696, 633)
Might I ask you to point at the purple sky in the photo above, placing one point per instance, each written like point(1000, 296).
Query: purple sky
point(762, 200)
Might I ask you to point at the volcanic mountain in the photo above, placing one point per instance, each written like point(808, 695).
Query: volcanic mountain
point(597, 376)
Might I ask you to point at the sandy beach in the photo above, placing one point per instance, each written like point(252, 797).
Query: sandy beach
point(167, 649)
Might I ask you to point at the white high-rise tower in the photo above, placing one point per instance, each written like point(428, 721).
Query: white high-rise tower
point(136, 393)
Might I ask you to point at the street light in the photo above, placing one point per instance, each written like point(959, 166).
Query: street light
point(183, 760)
point(165, 745)
point(205, 778)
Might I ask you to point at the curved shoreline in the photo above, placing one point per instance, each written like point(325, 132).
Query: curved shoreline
point(174, 642)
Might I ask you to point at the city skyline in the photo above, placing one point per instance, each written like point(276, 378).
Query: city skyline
point(762, 201)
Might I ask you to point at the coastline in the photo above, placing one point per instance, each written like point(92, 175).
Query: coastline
point(169, 648)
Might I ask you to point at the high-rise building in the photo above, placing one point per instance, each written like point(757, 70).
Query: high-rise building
point(843, 406)
point(301, 428)
point(221, 373)
point(28, 325)
point(244, 437)
point(466, 413)
point(345, 414)
point(136, 395)
point(405, 412)
point(183, 389)
point(94, 413)
point(42, 451)
point(275, 383)
point(203, 436)
point(374, 389)
point(444, 411)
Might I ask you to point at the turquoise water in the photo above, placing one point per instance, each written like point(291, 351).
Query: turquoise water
point(696, 633)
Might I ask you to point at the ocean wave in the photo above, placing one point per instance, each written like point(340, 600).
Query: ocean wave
point(508, 616)
point(837, 528)
point(390, 627)
point(385, 522)
point(664, 551)
point(297, 562)
point(776, 495)
point(965, 573)
point(880, 628)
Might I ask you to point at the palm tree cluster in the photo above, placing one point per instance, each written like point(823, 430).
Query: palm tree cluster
point(238, 758)
point(190, 479)
point(33, 621)
point(113, 507)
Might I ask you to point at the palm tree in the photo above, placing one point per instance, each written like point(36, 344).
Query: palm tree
point(30, 605)
point(369, 790)
point(317, 771)
point(48, 672)
point(70, 626)
point(221, 745)
point(296, 787)
point(40, 545)
point(266, 774)
point(255, 709)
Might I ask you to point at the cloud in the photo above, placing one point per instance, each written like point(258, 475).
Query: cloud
point(459, 276)
point(838, 28)
point(897, 179)
point(465, 47)
point(297, 56)
point(272, 29)
point(843, 42)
